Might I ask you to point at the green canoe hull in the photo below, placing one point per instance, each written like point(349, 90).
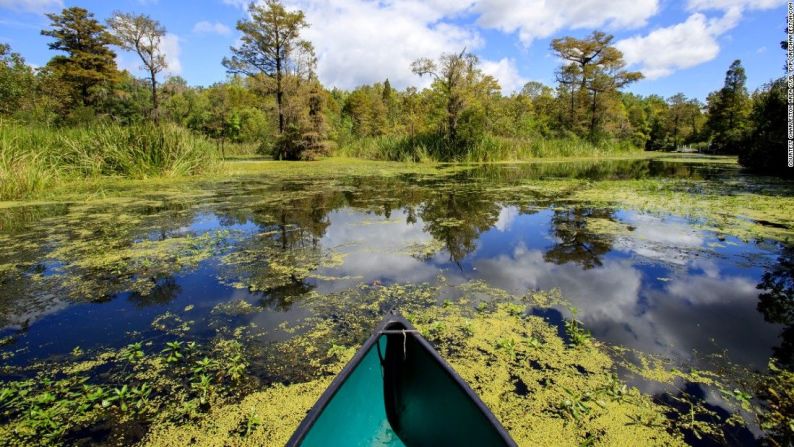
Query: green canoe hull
point(397, 391)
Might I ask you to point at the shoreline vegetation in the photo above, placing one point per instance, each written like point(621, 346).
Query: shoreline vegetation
point(79, 116)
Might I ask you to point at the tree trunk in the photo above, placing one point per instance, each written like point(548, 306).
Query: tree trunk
point(155, 105)
point(279, 102)
point(593, 116)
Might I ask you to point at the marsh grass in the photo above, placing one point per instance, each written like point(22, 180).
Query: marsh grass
point(428, 147)
point(33, 158)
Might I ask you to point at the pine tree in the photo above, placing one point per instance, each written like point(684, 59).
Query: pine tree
point(729, 111)
point(89, 61)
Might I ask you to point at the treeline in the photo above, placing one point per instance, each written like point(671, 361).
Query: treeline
point(273, 103)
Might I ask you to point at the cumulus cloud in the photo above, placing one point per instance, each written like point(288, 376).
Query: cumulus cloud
point(672, 48)
point(506, 72)
point(539, 18)
point(690, 43)
point(507, 215)
point(365, 41)
point(360, 41)
point(36, 6)
point(172, 51)
point(205, 27)
point(374, 249)
point(724, 5)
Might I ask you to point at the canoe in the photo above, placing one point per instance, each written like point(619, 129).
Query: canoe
point(397, 391)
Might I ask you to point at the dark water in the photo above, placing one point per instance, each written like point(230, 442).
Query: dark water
point(664, 286)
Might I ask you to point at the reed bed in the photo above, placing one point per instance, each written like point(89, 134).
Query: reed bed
point(33, 158)
point(487, 149)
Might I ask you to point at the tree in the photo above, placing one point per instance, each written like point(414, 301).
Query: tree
point(16, 81)
point(677, 116)
point(596, 68)
point(306, 134)
point(89, 61)
point(271, 45)
point(728, 111)
point(143, 35)
point(764, 148)
point(461, 84)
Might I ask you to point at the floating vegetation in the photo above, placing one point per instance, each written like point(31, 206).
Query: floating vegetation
point(213, 367)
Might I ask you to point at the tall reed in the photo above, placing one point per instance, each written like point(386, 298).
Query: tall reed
point(35, 157)
point(488, 148)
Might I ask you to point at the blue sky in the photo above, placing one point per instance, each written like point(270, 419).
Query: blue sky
point(681, 46)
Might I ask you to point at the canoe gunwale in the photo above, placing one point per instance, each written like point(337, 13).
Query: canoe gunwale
point(392, 324)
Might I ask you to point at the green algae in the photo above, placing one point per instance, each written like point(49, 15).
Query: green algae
point(544, 390)
point(128, 237)
point(534, 415)
point(723, 207)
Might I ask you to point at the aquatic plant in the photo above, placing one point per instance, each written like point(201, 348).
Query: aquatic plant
point(777, 418)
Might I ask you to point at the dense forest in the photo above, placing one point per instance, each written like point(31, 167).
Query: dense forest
point(80, 115)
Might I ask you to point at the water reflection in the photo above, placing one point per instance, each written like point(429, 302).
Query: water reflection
point(655, 283)
point(776, 303)
point(574, 242)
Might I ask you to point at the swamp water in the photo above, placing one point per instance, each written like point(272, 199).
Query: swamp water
point(664, 265)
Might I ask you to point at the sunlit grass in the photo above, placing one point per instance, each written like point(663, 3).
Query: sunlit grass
point(35, 158)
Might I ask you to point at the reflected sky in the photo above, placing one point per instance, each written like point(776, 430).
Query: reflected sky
point(656, 283)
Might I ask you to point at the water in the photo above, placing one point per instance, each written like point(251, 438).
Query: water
point(655, 282)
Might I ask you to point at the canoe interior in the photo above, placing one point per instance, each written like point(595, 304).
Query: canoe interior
point(400, 394)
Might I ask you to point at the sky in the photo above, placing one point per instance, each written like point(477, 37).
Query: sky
point(680, 46)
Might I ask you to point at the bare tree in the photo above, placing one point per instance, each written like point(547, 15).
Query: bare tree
point(143, 35)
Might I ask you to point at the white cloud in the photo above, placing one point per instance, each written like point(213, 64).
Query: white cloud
point(172, 50)
point(676, 47)
point(507, 215)
point(361, 41)
point(211, 27)
point(690, 43)
point(506, 72)
point(724, 5)
point(36, 6)
point(539, 18)
point(366, 41)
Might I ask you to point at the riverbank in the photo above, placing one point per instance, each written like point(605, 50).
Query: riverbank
point(35, 160)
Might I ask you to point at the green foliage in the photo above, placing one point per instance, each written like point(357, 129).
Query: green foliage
point(578, 334)
point(16, 81)
point(143, 35)
point(34, 157)
point(764, 149)
point(59, 403)
point(589, 81)
point(728, 112)
point(89, 63)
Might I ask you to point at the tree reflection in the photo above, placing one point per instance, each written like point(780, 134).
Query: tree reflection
point(163, 291)
point(776, 303)
point(574, 241)
point(457, 218)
